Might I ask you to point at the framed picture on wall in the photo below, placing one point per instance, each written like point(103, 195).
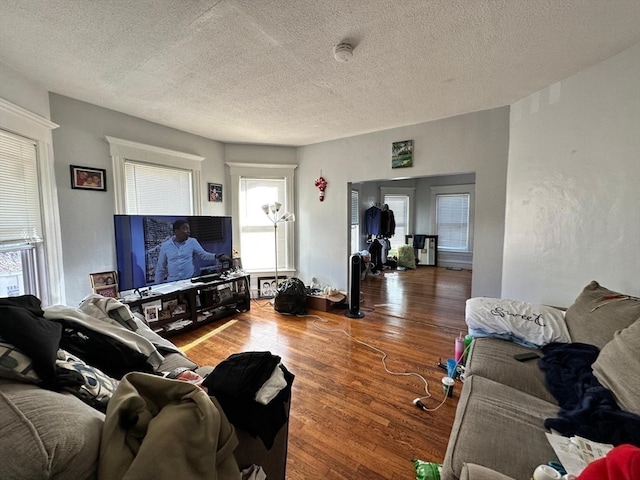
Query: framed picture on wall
point(402, 154)
point(88, 178)
point(215, 192)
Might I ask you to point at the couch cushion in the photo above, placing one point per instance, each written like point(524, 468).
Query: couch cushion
point(598, 313)
point(471, 471)
point(493, 359)
point(500, 428)
point(618, 367)
point(47, 434)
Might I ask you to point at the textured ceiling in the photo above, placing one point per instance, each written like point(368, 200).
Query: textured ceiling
point(262, 71)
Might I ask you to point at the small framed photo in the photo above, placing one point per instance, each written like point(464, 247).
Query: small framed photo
point(236, 264)
point(88, 178)
point(402, 154)
point(215, 192)
point(267, 287)
point(111, 291)
point(103, 279)
point(151, 314)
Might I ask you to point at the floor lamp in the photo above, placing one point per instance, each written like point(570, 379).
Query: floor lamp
point(272, 211)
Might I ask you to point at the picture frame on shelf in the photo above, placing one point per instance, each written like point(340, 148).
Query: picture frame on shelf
point(152, 313)
point(110, 291)
point(105, 283)
point(236, 264)
point(88, 178)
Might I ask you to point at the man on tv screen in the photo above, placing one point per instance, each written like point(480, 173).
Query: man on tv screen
point(175, 261)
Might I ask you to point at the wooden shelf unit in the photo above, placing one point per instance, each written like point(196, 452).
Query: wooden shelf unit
point(192, 307)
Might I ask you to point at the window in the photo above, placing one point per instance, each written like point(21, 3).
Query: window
point(21, 226)
point(400, 201)
point(355, 221)
point(256, 230)
point(157, 189)
point(252, 187)
point(149, 180)
point(453, 217)
point(30, 245)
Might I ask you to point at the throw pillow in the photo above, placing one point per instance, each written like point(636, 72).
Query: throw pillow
point(97, 388)
point(36, 336)
point(526, 323)
point(15, 365)
point(598, 313)
point(618, 367)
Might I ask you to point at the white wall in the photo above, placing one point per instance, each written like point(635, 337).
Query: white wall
point(86, 217)
point(23, 91)
point(476, 142)
point(573, 186)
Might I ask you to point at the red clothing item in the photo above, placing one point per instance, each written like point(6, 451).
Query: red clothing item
point(621, 463)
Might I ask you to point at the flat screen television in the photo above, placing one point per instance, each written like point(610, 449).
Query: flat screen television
point(140, 239)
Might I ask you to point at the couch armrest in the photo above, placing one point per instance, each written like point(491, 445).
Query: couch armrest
point(471, 471)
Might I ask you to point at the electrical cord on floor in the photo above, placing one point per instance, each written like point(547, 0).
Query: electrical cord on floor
point(417, 401)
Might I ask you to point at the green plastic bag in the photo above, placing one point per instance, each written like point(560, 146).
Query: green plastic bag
point(427, 470)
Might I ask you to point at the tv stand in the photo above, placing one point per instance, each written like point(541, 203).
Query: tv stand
point(194, 304)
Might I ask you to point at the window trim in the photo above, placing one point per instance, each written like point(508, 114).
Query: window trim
point(265, 170)
point(122, 150)
point(469, 189)
point(22, 122)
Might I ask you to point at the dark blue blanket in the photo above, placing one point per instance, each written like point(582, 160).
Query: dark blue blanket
point(587, 408)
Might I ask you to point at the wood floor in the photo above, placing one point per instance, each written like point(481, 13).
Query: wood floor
point(351, 419)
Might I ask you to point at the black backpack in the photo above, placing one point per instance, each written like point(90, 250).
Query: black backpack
point(291, 297)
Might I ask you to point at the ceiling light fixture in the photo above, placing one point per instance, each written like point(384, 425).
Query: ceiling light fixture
point(343, 52)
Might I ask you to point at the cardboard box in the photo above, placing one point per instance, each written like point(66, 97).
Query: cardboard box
point(324, 302)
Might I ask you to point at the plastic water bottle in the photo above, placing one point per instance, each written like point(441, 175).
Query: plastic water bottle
point(459, 348)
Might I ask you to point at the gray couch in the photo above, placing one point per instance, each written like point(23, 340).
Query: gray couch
point(498, 432)
point(50, 435)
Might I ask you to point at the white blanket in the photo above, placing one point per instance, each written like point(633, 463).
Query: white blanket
point(526, 323)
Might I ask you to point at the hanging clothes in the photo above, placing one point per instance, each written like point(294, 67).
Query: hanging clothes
point(387, 222)
point(373, 221)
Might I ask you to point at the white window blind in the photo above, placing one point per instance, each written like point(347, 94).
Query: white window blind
point(355, 221)
point(157, 190)
point(452, 219)
point(355, 203)
point(399, 205)
point(256, 230)
point(20, 211)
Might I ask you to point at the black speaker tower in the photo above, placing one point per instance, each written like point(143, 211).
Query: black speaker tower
point(354, 287)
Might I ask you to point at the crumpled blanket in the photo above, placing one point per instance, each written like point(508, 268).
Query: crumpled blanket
point(587, 408)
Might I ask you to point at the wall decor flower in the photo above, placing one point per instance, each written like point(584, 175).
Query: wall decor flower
point(321, 183)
